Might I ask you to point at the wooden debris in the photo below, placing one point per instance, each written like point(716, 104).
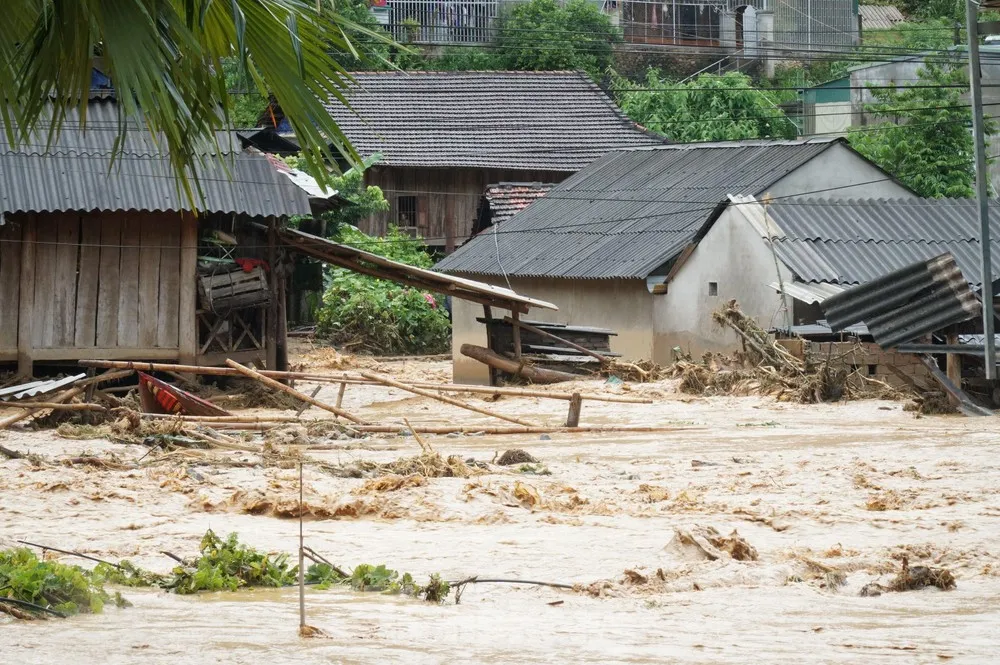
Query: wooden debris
point(518, 368)
point(78, 389)
point(441, 398)
point(271, 383)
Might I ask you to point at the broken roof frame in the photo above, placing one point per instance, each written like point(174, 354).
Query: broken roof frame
point(374, 265)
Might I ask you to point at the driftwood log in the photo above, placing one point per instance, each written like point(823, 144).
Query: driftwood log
point(529, 372)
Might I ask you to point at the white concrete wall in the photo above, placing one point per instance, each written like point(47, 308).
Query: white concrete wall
point(838, 172)
point(735, 257)
point(625, 306)
point(831, 118)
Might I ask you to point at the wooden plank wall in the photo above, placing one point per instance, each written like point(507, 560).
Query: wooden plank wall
point(442, 195)
point(103, 282)
point(10, 279)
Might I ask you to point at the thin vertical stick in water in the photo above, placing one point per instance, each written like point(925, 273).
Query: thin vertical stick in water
point(302, 573)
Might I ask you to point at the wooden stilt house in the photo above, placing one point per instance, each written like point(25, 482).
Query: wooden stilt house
point(110, 259)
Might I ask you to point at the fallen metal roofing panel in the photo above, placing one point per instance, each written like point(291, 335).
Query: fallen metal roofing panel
point(35, 388)
point(629, 212)
point(906, 304)
point(880, 17)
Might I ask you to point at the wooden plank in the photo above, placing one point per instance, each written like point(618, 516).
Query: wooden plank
point(187, 321)
point(87, 281)
point(100, 353)
point(271, 323)
point(128, 282)
point(47, 235)
point(538, 331)
point(67, 265)
point(151, 238)
point(108, 281)
point(169, 296)
point(10, 284)
point(26, 306)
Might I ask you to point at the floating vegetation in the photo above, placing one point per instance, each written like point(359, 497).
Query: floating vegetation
point(227, 565)
point(31, 588)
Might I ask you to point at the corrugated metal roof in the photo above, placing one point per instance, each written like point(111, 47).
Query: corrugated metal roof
point(551, 121)
point(629, 212)
point(807, 293)
point(75, 172)
point(880, 17)
point(908, 303)
point(35, 388)
point(854, 241)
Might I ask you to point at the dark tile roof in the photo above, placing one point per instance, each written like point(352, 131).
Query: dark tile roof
point(75, 172)
point(507, 198)
point(854, 241)
point(631, 211)
point(547, 121)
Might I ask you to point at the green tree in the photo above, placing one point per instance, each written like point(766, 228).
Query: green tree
point(923, 137)
point(379, 316)
point(364, 201)
point(708, 108)
point(165, 59)
point(542, 35)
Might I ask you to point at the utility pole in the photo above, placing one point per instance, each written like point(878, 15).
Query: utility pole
point(982, 186)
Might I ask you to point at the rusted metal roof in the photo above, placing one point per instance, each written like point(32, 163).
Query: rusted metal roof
point(508, 198)
point(906, 304)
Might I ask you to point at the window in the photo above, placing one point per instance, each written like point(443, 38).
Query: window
point(406, 212)
point(713, 288)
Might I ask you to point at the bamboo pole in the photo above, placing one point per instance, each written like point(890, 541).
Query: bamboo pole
point(271, 383)
point(54, 406)
point(221, 419)
point(472, 429)
point(441, 398)
point(348, 378)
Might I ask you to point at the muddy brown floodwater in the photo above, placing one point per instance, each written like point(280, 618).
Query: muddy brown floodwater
point(830, 496)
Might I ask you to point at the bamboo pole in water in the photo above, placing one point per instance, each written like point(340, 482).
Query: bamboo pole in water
point(271, 383)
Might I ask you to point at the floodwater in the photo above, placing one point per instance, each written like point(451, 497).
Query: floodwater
point(845, 487)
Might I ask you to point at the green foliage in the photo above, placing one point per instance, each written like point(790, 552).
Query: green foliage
point(227, 565)
point(127, 574)
point(923, 136)
point(66, 589)
point(366, 577)
point(708, 108)
point(929, 34)
point(246, 102)
point(541, 35)
point(365, 201)
point(383, 316)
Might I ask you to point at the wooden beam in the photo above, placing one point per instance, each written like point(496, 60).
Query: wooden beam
point(441, 398)
point(271, 383)
point(26, 307)
point(187, 318)
point(573, 417)
point(271, 329)
point(953, 367)
point(538, 331)
point(113, 353)
point(517, 334)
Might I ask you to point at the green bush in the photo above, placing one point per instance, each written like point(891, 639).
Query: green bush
point(62, 588)
point(379, 316)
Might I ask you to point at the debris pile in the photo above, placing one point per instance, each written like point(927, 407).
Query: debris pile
point(913, 579)
point(765, 367)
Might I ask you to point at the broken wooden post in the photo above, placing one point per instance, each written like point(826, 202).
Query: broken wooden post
point(441, 398)
point(953, 367)
point(340, 393)
point(271, 383)
point(306, 405)
point(575, 404)
point(516, 329)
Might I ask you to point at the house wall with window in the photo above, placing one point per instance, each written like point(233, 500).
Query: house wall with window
point(440, 204)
